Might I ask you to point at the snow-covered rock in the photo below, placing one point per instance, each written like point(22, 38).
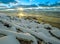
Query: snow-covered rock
point(9, 40)
point(26, 29)
point(56, 33)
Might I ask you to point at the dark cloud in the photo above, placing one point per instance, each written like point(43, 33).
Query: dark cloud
point(29, 3)
point(7, 1)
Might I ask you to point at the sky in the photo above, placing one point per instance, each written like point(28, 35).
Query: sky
point(10, 3)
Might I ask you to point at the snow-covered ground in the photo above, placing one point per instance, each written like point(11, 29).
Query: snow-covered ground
point(16, 29)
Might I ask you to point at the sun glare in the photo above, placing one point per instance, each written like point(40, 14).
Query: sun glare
point(20, 9)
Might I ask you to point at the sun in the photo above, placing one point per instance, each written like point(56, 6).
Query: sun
point(21, 9)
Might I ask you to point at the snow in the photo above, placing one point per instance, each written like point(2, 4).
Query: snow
point(9, 40)
point(29, 30)
point(56, 32)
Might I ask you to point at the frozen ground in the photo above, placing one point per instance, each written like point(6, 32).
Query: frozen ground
point(27, 31)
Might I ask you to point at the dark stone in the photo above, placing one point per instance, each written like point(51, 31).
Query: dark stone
point(7, 25)
point(18, 30)
point(48, 28)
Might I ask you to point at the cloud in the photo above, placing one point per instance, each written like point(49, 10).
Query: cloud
point(7, 1)
point(11, 3)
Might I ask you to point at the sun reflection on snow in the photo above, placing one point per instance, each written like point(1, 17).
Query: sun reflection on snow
point(21, 15)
